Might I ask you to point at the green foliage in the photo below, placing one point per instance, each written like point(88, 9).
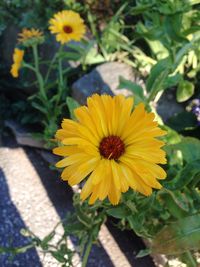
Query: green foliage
point(185, 91)
point(72, 104)
point(161, 40)
point(171, 31)
point(136, 89)
point(178, 237)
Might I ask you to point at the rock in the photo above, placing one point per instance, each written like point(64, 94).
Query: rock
point(23, 136)
point(104, 79)
point(167, 105)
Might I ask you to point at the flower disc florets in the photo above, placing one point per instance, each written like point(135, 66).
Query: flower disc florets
point(112, 145)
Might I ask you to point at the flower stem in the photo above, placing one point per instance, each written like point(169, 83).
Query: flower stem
point(87, 252)
point(37, 72)
point(60, 69)
point(189, 259)
point(50, 67)
point(60, 72)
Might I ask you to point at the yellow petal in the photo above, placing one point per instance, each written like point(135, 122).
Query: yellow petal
point(73, 159)
point(97, 174)
point(115, 174)
point(66, 150)
point(82, 171)
point(114, 194)
point(87, 189)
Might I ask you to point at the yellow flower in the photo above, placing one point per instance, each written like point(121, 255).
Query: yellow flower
point(17, 60)
point(112, 145)
point(29, 37)
point(67, 25)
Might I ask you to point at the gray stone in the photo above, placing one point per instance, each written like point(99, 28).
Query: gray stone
point(104, 79)
point(23, 135)
point(167, 105)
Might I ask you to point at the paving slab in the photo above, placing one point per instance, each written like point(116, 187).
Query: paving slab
point(33, 196)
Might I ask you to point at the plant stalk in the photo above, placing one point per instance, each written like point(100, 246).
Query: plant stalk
point(189, 259)
point(87, 252)
point(38, 74)
point(60, 72)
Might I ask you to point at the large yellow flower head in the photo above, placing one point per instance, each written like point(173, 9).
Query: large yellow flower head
point(115, 147)
point(68, 26)
point(17, 61)
point(30, 37)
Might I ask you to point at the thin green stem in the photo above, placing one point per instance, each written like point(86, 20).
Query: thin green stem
point(87, 252)
point(50, 67)
point(61, 81)
point(28, 66)
point(188, 258)
point(60, 73)
point(38, 74)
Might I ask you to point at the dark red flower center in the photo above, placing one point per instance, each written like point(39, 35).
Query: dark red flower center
point(111, 147)
point(67, 29)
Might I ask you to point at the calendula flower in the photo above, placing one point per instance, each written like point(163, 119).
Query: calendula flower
point(17, 61)
point(115, 147)
point(68, 26)
point(30, 37)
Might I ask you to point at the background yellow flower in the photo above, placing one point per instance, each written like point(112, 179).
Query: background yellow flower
point(28, 34)
point(17, 60)
point(115, 147)
point(67, 25)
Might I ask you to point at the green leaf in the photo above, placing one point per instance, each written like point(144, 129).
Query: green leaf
point(74, 228)
point(40, 108)
point(133, 87)
point(190, 148)
point(93, 57)
point(59, 256)
point(184, 177)
point(185, 91)
point(178, 237)
point(45, 241)
point(172, 80)
point(136, 222)
point(72, 104)
point(157, 77)
point(140, 9)
point(172, 136)
point(143, 253)
point(75, 56)
point(173, 205)
point(119, 212)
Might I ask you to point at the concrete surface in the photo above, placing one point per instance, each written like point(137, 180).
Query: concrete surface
point(33, 196)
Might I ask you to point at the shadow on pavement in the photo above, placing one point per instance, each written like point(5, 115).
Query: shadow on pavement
point(60, 195)
point(131, 245)
point(10, 225)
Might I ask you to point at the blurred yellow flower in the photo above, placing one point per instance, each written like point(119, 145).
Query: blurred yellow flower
point(112, 145)
point(30, 37)
point(17, 60)
point(67, 25)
